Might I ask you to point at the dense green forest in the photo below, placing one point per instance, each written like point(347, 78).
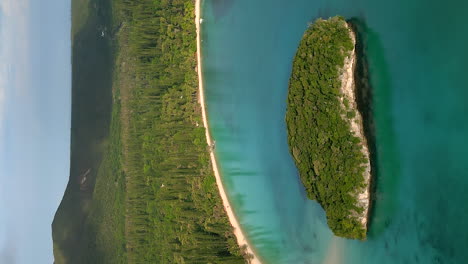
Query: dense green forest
point(174, 211)
point(154, 195)
point(326, 152)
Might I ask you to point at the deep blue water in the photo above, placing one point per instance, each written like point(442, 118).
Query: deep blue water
point(417, 54)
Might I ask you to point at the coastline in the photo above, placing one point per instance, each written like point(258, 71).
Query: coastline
point(349, 92)
point(240, 237)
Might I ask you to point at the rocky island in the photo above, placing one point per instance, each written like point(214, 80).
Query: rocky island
point(326, 133)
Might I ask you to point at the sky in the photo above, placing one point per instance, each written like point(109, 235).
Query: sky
point(35, 110)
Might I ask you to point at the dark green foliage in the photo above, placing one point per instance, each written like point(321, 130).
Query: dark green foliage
point(105, 231)
point(92, 60)
point(150, 195)
point(174, 211)
point(327, 154)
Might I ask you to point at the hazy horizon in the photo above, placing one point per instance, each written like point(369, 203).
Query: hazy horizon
point(35, 90)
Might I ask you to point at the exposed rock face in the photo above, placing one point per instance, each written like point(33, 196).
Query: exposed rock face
point(327, 117)
point(349, 103)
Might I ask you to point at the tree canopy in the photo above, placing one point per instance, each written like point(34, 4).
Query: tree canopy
point(326, 152)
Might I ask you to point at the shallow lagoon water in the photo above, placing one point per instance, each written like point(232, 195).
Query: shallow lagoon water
point(417, 55)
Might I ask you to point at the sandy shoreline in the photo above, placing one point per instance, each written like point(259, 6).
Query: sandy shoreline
point(348, 89)
point(241, 238)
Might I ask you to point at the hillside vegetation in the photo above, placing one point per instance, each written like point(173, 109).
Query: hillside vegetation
point(149, 194)
point(327, 154)
point(93, 157)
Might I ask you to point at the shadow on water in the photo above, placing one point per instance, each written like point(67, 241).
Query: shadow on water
point(221, 7)
point(374, 104)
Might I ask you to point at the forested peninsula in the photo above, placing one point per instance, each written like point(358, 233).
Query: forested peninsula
point(326, 133)
point(141, 188)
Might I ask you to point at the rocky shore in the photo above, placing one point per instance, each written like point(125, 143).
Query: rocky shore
point(348, 99)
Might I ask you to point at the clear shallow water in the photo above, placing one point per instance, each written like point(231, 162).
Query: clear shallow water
point(417, 55)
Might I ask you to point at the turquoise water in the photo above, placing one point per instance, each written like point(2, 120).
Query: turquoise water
point(417, 54)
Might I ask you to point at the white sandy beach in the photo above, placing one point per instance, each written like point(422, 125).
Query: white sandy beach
point(334, 251)
point(241, 238)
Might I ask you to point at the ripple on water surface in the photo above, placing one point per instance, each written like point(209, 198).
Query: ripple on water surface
point(416, 53)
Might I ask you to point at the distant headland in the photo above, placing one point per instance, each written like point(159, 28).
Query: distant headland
point(326, 132)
